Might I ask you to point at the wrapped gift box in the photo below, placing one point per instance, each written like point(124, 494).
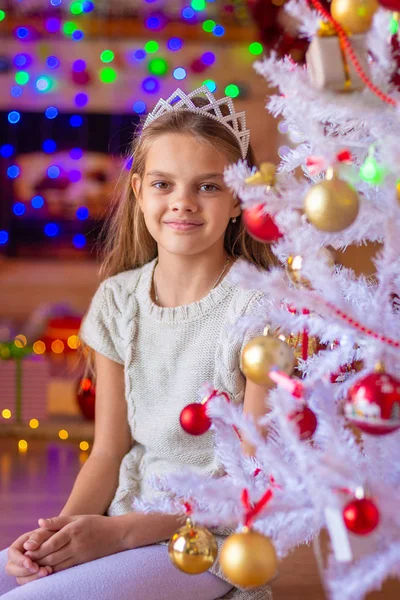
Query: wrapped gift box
point(329, 68)
point(35, 378)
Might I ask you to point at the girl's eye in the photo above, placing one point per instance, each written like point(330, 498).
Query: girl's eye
point(160, 185)
point(208, 187)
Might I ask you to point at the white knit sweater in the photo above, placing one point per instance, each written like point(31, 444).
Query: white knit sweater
point(168, 354)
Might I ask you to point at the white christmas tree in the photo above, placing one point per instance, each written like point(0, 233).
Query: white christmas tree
point(336, 186)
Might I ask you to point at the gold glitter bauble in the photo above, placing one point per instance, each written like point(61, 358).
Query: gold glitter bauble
point(331, 205)
point(248, 559)
point(264, 352)
point(355, 16)
point(192, 549)
point(264, 176)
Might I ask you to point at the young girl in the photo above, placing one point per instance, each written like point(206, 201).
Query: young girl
point(160, 325)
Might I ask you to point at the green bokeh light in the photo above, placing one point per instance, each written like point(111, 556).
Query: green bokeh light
point(21, 77)
point(107, 56)
point(232, 90)
point(393, 26)
point(371, 171)
point(158, 66)
point(2, 15)
point(209, 25)
point(256, 48)
point(108, 75)
point(151, 47)
point(76, 8)
point(198, 4)
point(69, 27)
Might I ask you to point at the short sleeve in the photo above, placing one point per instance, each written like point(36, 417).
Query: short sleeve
point(99, 328)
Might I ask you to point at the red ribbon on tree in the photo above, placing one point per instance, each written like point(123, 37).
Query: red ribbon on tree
point(251, 511)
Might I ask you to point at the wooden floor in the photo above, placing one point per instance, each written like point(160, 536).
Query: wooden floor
point(37, 483)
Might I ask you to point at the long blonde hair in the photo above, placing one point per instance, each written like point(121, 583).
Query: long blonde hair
point(127, 241)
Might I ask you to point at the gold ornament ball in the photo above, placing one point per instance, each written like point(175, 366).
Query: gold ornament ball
point(264, 352)
point(331, 205)
point(192, 549)
point(248, 559)
point(294, 266)
point(355, 16)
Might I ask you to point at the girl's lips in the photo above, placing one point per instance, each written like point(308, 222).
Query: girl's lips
point(181, 226)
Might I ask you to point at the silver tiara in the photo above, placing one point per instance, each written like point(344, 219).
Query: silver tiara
point(235, 122)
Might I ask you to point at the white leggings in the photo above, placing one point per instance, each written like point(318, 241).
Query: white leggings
point(140, 574)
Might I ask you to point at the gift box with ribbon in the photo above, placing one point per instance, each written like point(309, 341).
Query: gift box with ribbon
point(328, 66)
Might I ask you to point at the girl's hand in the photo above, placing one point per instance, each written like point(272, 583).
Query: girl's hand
point(22, 567)
point(78, 539)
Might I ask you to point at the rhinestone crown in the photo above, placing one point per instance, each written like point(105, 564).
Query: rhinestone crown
point(235, 122)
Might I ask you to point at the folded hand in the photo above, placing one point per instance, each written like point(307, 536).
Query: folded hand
point(78, 539)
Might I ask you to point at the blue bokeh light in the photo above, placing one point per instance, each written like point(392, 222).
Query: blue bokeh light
point(82, 213)
point(6, 150)
point(76, 153)
point(19, 209)
point(51, 112)
point(53, 172)
point(22, 33)
point(37, 202)
point(13, 171)
point(218, 30)
point(53, 24)
point(16, 91)
point(79, 66)
point(81, 99)
point(175, 43)
point(52, 62)
point(188, 12)
point(78, 35)
point(153, 23)
point(179, 73)
point(14, 116)
point(3, 237)
point(79, 240)
point(150, 85)
point(208, 58)
point(22, 60)
point(51, 229)
point(87, 6)
point(49, 146)
point(75, 121)
point(139, 107)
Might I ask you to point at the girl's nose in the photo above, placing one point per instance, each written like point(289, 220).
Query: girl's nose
point(184, 202)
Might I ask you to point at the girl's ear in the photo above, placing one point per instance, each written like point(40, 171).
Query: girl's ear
point(136, 183)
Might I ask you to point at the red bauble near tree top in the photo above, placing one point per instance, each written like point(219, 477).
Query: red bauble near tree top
point(361, 516)
point(306, 422)
point(194, 419)
point(373, 404)
point(86, 398)
point(393, 5)
point(260, 225)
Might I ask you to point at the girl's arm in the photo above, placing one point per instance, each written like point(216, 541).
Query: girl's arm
point(97, 481)
point(254, 404)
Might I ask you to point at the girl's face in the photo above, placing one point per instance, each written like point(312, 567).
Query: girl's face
point(185, 202)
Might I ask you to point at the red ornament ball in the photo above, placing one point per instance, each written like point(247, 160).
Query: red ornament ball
point(86, 398)
point(306, 422)
point(260, 225)
point(393, 5)
point(361, 516)
point(373, 404)
point(194, 419)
